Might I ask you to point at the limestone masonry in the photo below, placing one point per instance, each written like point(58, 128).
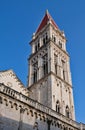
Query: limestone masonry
point(47, 102)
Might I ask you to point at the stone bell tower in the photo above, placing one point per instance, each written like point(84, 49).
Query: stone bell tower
point(49, 70)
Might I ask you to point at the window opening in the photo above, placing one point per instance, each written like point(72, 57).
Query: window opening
point(35, 66)
point(67, 111)
point(58, 107)
point(55, 63)
point(45, 64)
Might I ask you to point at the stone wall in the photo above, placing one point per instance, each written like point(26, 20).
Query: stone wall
point(9, 78)
point(18, 112)
point(41, 91)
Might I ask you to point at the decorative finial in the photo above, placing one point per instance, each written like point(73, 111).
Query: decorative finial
point(33, 36)
point(47, 11)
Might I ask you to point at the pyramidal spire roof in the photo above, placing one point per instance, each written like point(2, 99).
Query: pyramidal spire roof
point(45, 20)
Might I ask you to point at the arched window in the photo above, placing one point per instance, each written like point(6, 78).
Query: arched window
point(60, 44)
point(54, 38)
point(56, 63)
point(58, 106)
point(38, 44)
point(45, 38)
point(63, 74)
point(67, 112)
point(45, 64)
point(0, 99)
point(35, 48)
point(35, 68)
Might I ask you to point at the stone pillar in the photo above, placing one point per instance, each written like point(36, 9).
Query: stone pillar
point(64, 46)
point(50, 30)
point(40, 65)
point(65, 71)
point(61, 103)
point(40, 41)
point(51, 59)
point(21, 119)
point(49, 123)
point(69, 73)
point(59, 67)
point(30, 73)
point(33, 48)
point(72, 104)
point(65, 75)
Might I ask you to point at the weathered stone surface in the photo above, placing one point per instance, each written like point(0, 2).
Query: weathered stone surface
point(47, 103)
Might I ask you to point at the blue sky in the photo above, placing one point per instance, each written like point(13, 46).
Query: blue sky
point(20, 18)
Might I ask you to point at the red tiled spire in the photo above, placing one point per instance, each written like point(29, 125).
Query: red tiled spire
point(45, 20)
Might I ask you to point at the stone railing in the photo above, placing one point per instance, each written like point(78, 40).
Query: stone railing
point(16, 95)
point(22, 98)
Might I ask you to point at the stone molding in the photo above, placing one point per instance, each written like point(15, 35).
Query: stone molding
point(25, 104)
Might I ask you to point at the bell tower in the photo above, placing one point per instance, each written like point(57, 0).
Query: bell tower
point(49, 69)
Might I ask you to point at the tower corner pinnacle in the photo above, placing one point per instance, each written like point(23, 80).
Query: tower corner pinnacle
point(46, 11)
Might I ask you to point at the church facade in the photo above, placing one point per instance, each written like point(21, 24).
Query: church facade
point(47, 102)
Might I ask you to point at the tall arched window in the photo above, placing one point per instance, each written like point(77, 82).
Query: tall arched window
point(35, 73)
point(45, 38)
point(67, 111)
point(58, 106)
point(45, 64)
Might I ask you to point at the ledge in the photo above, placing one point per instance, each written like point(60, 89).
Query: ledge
point(34, 104)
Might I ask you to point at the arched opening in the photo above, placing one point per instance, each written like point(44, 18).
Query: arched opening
point(67, 112)
point(35, 72)
point(0, 99)
point(45, 64)
point(58, 106)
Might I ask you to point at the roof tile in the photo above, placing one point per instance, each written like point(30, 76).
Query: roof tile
point(44, 22)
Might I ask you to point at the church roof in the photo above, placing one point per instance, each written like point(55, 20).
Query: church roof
point(45, 20)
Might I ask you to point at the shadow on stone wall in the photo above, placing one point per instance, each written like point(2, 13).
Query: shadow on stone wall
point(9, 124)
